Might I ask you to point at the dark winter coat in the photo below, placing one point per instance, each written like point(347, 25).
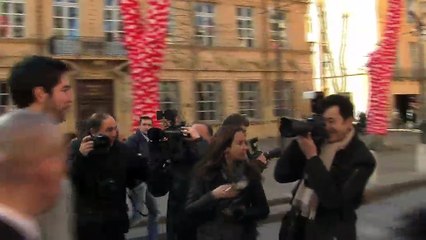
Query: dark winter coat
point(340, 190)
point(213, 224)
point(100, 182)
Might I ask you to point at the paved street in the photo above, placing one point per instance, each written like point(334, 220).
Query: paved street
point(396, 162)
point(375, 221)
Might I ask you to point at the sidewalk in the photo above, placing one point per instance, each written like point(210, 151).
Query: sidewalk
point(395, 173)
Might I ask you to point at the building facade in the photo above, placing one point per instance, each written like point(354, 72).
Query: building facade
point(222, 57)
point(405, 87)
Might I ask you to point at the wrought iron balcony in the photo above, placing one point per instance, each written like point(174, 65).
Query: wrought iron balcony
point(86, 46)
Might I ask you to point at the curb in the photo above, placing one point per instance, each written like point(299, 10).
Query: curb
point(414, 130)
point(371, 195)
point(378, 193)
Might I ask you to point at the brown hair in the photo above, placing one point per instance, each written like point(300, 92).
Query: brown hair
point(214, 160)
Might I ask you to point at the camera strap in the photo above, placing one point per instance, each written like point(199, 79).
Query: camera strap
point(294, 192)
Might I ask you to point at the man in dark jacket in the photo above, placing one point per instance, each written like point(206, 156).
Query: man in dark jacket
point(101, 171)
point(333, 176)
point(174, 179)
point(179, 226)
point(139, 140)
point(140, 196)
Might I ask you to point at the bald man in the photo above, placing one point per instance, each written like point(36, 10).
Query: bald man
point(32, 165)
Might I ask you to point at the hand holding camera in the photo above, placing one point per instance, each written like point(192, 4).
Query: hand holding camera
point(86, 145)
point(97, 143)
point(190, 133)
point(262, 159)
point(307, 146)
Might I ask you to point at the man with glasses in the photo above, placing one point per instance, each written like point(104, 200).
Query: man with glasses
point(140, 195)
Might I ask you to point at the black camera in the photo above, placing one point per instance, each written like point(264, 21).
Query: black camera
point(255, 152)
point(101, 143)
point(315, 125)
point(167, 145)
point(172, 131)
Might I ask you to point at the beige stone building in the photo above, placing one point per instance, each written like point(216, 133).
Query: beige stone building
point(223, 56)
point(405, 85)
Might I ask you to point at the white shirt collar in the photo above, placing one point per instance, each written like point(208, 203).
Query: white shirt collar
point(145, 136)
point(23, 224)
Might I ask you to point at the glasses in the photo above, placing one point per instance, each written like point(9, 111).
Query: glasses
point(147, 124)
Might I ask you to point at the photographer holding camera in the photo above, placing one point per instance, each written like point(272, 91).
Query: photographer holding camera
point(174, 151)
point(332, 174)
point(102, 169)
point(226, 195)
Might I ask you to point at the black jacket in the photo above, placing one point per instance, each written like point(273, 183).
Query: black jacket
point(340, 190)
point(9, 233)
point(100, 181)
point(213, 224)
point(138, 143)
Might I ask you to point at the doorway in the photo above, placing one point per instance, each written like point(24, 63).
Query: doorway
point(403, 103)
point(94, 96)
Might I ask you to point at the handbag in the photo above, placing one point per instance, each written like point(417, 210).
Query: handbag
point(292, 224)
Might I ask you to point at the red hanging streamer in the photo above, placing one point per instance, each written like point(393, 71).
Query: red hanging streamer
point(145, 42)
point(381, 66)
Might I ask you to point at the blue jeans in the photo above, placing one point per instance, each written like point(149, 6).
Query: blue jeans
point(141, 197)
point(151, 204)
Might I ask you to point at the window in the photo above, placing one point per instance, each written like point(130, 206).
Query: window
point(66, 18)
point(169, 95)
point(245, 26)
point(409, 6)
point(171, 26)
point(249, 99)
point(208, 100)
point(113, 26)
point(398, 58)
point(283, 98)
point(12, 18)
point(278, 28)
point(397, 73)
point(4, 98)
point(414, 56)
point(204, 21)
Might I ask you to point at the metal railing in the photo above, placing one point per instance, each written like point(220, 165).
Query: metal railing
point(86, 46)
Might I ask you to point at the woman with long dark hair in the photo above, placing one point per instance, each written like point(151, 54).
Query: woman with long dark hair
point(226, 196)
